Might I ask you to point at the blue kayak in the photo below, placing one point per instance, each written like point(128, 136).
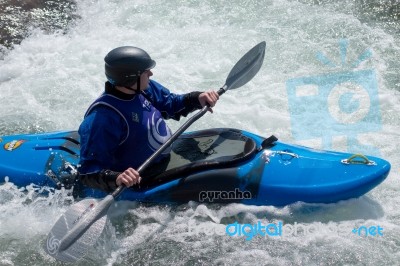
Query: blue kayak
point(220, 165)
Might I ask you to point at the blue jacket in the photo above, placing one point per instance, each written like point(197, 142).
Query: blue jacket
point(121, 131)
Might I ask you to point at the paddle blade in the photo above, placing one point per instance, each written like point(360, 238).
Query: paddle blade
point(66, 223)
point(246, 68)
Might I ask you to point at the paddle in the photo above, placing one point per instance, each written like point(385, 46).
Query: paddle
point(78, 228)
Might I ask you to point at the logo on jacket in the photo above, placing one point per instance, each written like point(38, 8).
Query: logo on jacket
point(135, 117)
point(158, 133)
point(147, 105)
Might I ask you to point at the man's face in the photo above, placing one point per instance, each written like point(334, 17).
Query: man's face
point(144, 79)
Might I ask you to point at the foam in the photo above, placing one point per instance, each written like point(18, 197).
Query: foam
point(48, 81)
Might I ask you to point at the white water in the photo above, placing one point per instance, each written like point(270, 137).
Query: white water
point(47, 82)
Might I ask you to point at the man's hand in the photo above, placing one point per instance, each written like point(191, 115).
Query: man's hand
point(208, 97)
point(129, 178)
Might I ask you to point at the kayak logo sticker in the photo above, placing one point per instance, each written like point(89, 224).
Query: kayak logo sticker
point(336, 104)
point(13, 145)
point(210, 196)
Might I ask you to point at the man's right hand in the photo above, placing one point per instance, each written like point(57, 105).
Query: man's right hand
point(129, 177)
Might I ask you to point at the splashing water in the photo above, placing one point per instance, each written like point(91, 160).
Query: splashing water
point(49, 79)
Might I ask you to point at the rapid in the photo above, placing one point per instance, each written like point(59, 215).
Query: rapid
point(49, 78)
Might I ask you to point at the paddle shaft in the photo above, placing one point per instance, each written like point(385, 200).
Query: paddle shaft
point(169, 142)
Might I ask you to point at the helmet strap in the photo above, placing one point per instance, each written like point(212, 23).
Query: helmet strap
point(129, 88)
point(137, 90)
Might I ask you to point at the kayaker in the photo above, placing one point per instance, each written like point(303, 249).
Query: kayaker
point(125, 125)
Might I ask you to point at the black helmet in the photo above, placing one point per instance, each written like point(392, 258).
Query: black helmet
point(125, 64)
